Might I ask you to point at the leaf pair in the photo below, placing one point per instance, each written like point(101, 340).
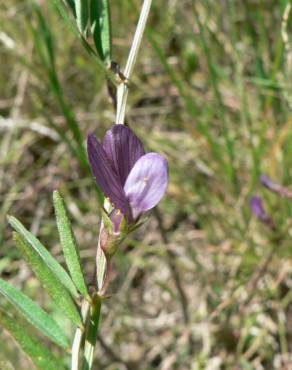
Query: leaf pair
point(62, 288)
point(93, 16)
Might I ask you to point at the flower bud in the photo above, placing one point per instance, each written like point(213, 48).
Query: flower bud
point(113, 233)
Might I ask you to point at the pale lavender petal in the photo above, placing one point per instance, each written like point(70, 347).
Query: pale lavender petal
point(123, 149)
point(146, 183)
point(105, 175)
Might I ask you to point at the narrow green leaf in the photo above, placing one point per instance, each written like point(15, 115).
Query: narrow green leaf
point(46, 34)
point(41, 356)
point(33, 313)
point(47, 258)
point(101, 28)
point(69, 244)
point(48, 279)
point(105, 26)
point(82, 14)
point(95, 27)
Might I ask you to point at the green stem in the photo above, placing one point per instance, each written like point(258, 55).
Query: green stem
point(91, 333)
point(101, 265)
point(122, 91)
point(76, 347)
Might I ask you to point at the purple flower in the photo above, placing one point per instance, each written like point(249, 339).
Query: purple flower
point(257, 208)
point(256, 204)
point(267, 182)
point(133, 181)
point(276, 188)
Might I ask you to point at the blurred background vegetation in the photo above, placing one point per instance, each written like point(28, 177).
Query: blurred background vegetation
point(203, 285)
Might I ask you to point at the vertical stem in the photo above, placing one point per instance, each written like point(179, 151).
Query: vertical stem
point(92, 313)
point(122, 91)
point(85, 309)
point(100, 263)
point(91, 335)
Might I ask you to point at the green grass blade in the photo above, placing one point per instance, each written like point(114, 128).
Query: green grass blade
point(48, 279)
point(45, 46)
point(41, 356)
point(101, 28)
point(33, 313)
point(69, 244)
point(43, 253)
point(82, 14)
point(46, 34)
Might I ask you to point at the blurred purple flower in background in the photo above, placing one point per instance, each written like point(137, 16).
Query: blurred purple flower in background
point(267, 182)
point(133, 181)
point(276, 188)
point(258, 210)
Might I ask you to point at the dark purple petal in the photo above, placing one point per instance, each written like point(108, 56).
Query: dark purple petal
point(123, 149)
point(146, 183)
point(105, 175)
